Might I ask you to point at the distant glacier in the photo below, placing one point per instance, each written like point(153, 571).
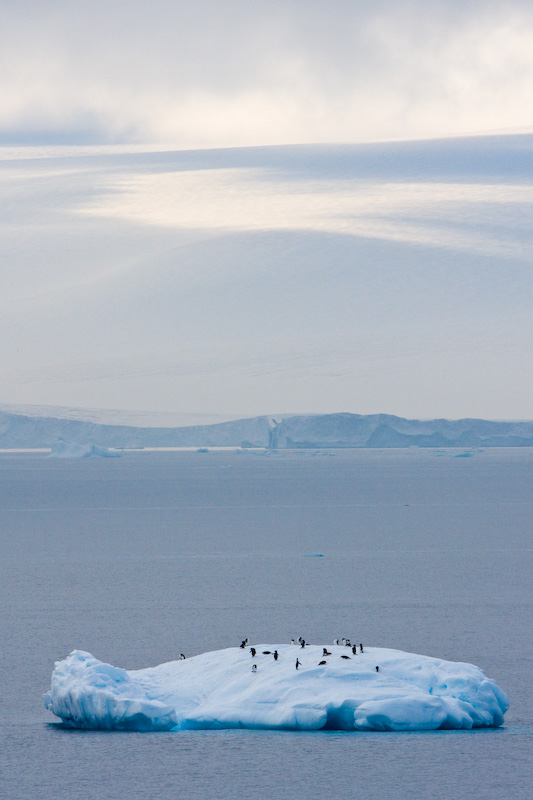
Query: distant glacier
point(342, 430)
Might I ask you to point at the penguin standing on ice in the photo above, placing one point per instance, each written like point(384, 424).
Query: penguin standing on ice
point(325, 651)
point(303, 643)
point(252, 651)
point(243, 643)
point(292, 641)
point(182, 657)
point(335, 641)
point(361, 648)
point(254, 668)
point(354, 649)
point(298, 663)
point(276, 655)
point(377, 669)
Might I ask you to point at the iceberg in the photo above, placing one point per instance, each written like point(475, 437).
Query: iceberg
point(65, 449)
point(232, 688)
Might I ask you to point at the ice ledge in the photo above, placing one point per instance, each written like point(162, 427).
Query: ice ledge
point(220, 690)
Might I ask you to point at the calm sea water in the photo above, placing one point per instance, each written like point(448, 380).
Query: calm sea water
point(140, 558)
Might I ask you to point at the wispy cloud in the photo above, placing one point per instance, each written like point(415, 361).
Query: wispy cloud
point(475, 218)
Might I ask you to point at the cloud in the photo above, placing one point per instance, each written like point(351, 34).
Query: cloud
point(222, 74)
point(461, 217)
point(318, 278)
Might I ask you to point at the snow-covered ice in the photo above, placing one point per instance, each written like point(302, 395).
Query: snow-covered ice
point(219, 690)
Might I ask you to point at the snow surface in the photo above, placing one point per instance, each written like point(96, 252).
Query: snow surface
point(219, 690)
point(66, 449)
point(115, 416)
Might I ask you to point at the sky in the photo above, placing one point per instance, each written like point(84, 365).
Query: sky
point(246, 72)
point(240, 208)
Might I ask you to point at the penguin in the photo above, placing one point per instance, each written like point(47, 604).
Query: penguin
point(335, 641)
point(292, 641)
point(344, 640)
point(276, 655)
point(354, 649)
point(348, 643)
point(254, 668)
point(252, 651)
point(298, 663)
point(182, 657)
point(321, 663)
point(377, 669)
point(303, 643)
point(325, 651)
point(243, 644)
point(345, 656)
point(267, 652)
point(361, 648)
point(299, 639)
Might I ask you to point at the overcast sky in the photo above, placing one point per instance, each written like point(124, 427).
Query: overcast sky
point(391, 277)
point(203, 73)
point(381, 277)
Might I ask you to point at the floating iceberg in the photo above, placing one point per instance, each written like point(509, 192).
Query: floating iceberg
point(65, 449)
point(222, 690)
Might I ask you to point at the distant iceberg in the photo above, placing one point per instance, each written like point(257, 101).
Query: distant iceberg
point(65, 449)
point(223, 689)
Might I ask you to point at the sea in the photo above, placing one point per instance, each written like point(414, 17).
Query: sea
point(139, 558)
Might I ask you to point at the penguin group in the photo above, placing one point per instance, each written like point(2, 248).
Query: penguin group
point(253, 653)
point(344, 642)
point(347, 643)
